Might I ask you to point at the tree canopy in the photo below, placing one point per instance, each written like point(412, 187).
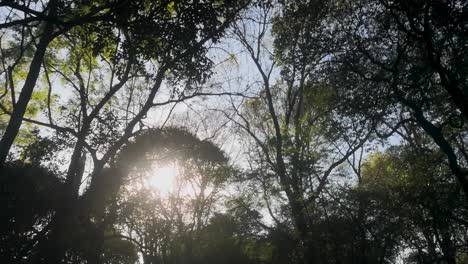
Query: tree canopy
point(250, 131)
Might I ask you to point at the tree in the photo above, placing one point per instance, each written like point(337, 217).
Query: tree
point(139, 20)
point(394, 62)
point(121, 43)
point(416, 190)
point(290, 160)
point(168, 227)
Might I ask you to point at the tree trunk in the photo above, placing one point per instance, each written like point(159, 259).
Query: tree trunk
point(20, 107)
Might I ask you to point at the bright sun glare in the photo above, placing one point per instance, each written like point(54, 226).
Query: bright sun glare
point(164, 178)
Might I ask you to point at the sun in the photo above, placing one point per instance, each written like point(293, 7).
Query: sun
point(163, 178)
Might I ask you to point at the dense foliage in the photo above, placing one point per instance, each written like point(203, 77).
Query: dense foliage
point(311, 131)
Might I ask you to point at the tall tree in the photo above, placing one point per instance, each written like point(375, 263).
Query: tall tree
point(101, 61)
point(138, 19)
point(282, 122)
point(394, 62)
